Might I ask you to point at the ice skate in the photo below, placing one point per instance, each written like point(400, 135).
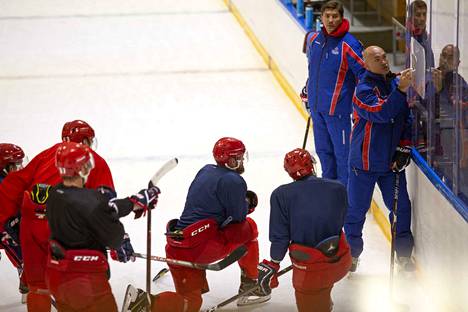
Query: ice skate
point(23, 288)
point(354, 265)
point(254, 297)
point(135, 300)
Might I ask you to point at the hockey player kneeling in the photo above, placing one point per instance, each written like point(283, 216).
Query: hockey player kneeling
point(315, 209)
point(214, 223)
point(83, 222)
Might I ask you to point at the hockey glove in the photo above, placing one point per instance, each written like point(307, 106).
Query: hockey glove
point(144, 200)
point(12, 249)
point(125, 252)
point(267, 276)
point(305, 99)
point(252, 201)
point(12, 227)
point(107, 191)
point(401, 159)
point(40, 193)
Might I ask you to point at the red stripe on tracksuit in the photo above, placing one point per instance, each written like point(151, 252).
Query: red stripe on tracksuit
point(354, 55)
point(313, 37)
point(366, 145)
point(340, 79)
point(369, 108)
point(345, 50)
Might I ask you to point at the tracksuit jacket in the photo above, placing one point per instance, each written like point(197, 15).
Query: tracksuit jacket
point(332, 93)
point(381, 121)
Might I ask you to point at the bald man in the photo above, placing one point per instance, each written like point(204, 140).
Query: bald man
point(452, 95)
point(379, 150)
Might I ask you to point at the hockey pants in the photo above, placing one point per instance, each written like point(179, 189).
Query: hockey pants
point(191, 283)
point(79, 282)
point(331, 137)
point(313, 279)
point(360, 189)
point(34, 236)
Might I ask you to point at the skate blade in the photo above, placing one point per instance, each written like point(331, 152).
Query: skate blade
point(246, 301)
point(130, 296)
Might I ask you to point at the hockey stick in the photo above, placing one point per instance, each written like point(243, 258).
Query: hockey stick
point(160, 274)
point(244, 293)
point(393, 230)
point(168, 166)
point(306, 133)
point(217, 266)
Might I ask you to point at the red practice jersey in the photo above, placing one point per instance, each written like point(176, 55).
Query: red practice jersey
point(42, 169)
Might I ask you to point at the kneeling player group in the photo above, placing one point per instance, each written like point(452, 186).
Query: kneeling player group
point(60, 217)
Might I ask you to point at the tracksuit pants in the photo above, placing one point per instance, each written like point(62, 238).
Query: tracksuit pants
point(360, 189)
point(331, 137)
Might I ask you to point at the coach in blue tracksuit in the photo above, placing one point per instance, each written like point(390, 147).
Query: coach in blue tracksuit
point(335, 65)
point(379, 149)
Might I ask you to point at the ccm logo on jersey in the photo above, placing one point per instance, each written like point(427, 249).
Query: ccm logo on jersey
point(86, 258)
point(199, 230)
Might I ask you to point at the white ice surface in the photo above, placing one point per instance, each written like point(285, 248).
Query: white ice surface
point(158, 79)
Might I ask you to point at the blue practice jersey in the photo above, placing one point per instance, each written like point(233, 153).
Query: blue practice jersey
point(215, 193)
point(305, 212)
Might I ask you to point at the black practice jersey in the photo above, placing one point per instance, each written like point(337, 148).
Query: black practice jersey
point(81, 218)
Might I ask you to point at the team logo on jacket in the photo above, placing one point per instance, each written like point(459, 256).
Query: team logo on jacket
point(335, 51)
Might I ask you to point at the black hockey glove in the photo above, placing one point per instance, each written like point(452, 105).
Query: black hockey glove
point(144, 200)
point(305, 99)
point(107, 191)
point(267, 276)
point(401, 159)
point(9, 240)
point(12, 227)
point(125, 252)
point(252, 201)
point(40, 193)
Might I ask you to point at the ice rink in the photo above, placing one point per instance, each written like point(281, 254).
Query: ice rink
point(158, 79)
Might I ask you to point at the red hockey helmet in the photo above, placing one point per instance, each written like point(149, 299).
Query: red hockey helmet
point(299, 163)
point(74, 159)
point(225, 148)
point(10, 154)
point(77, 131)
